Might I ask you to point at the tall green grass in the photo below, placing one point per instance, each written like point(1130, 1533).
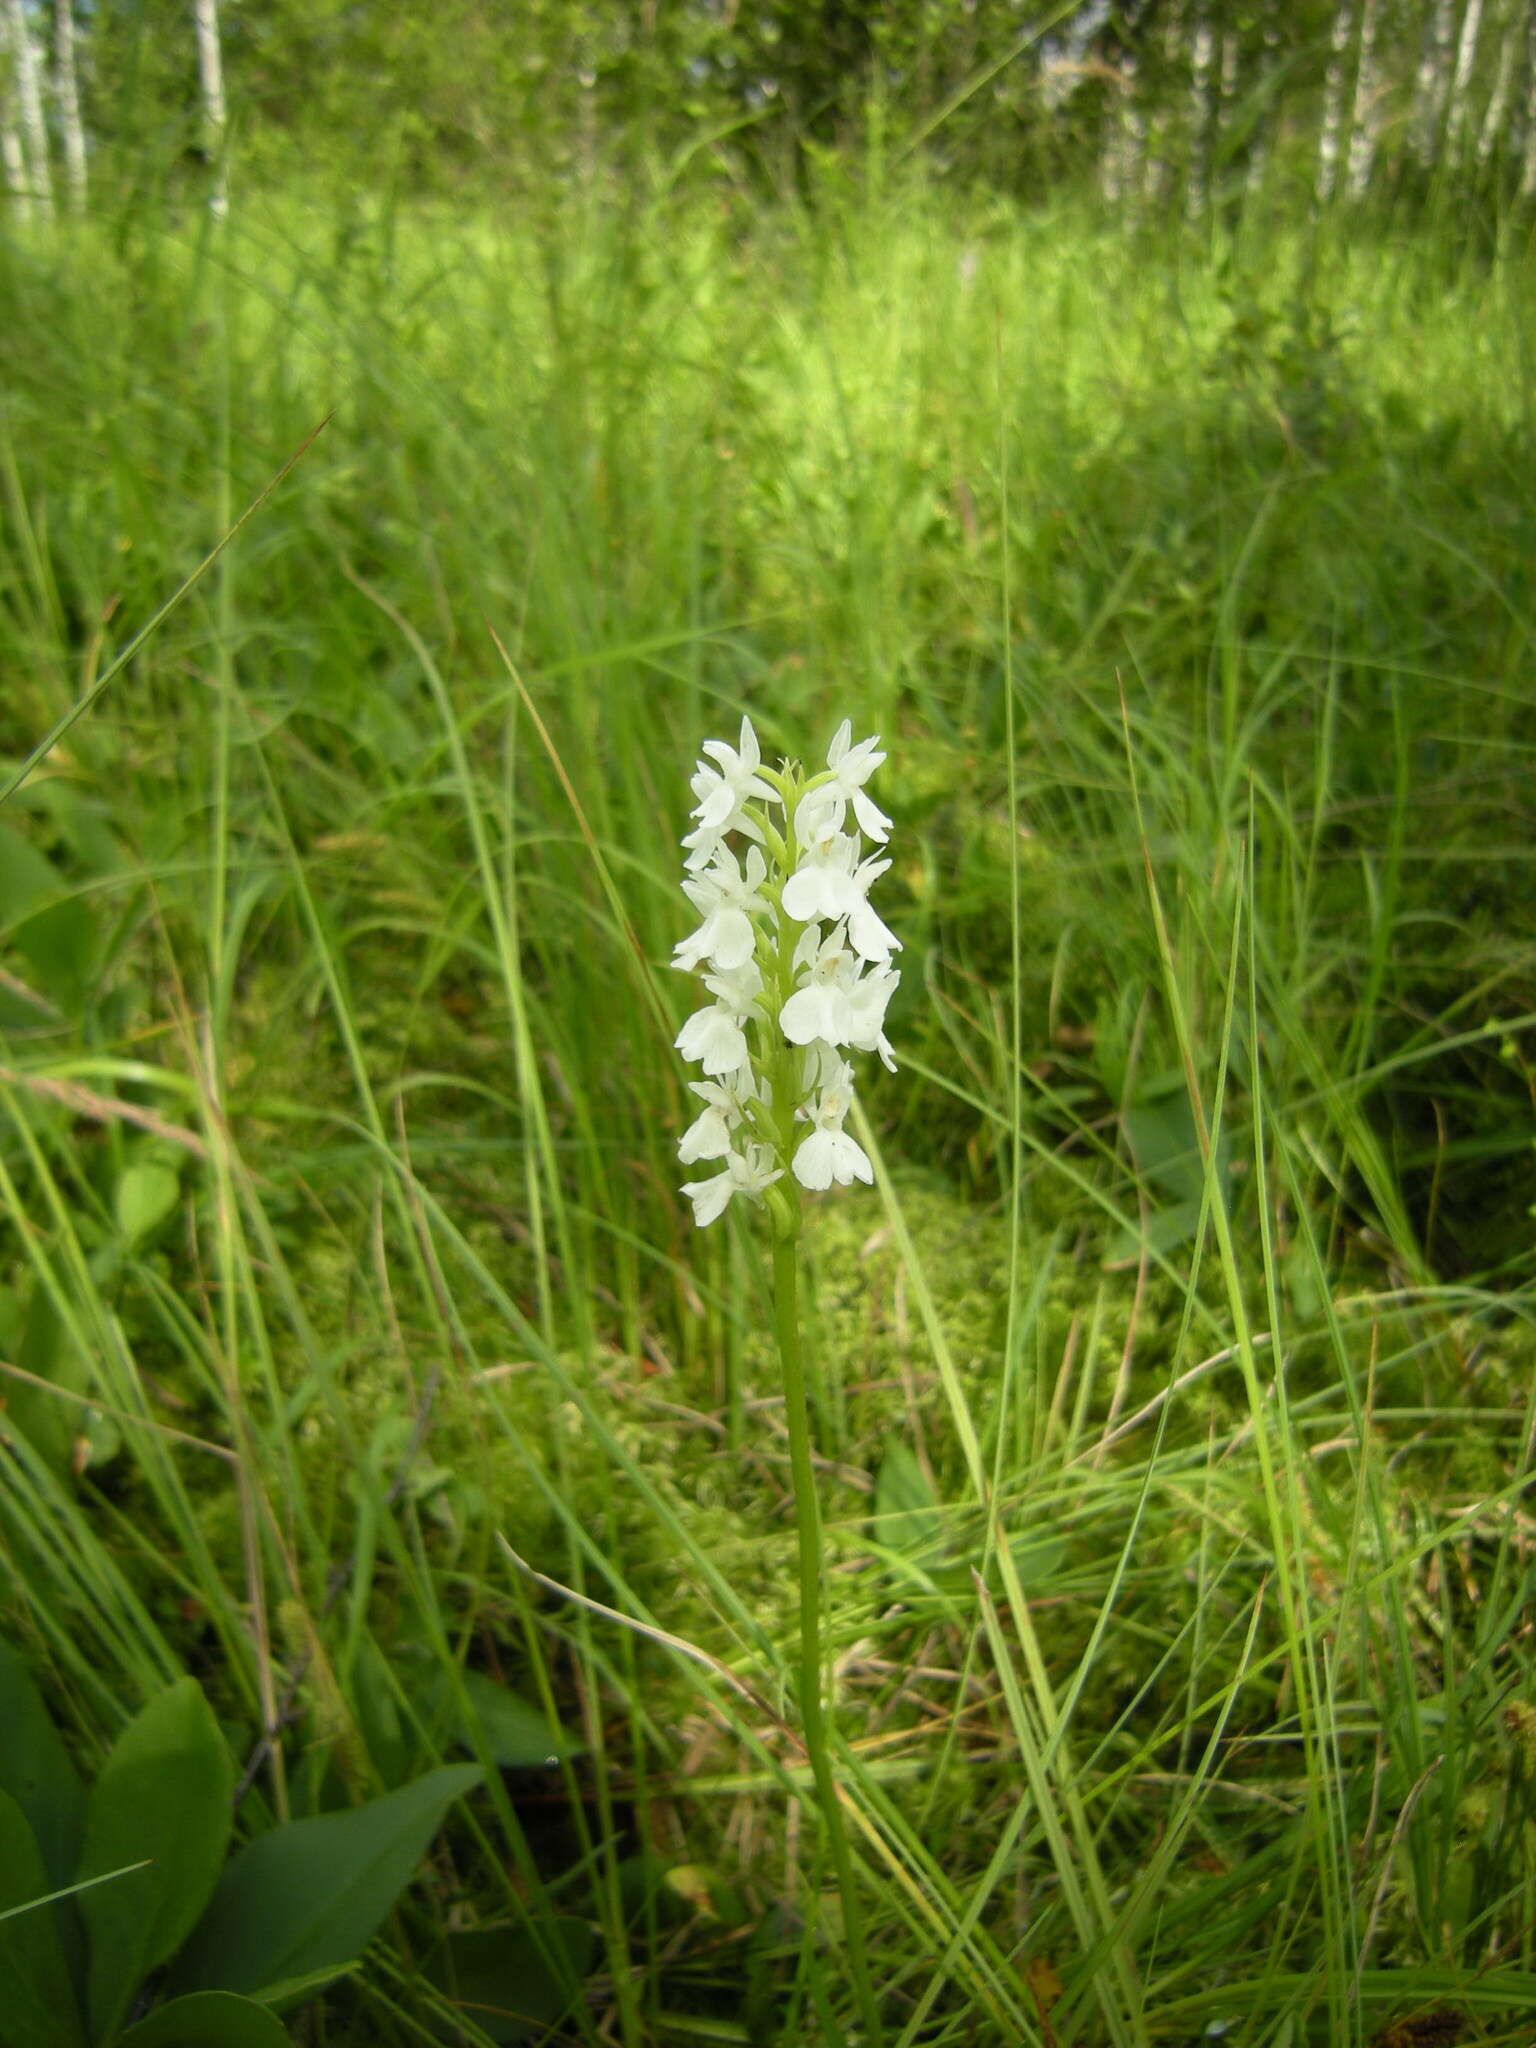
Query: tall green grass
point(1175, 1386)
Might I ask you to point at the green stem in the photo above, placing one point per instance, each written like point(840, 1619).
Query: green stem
point(786, 1303)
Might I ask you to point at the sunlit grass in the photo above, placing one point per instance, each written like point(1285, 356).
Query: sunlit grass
point(1176, 1389)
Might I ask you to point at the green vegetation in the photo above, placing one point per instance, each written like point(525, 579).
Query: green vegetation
point(1175, 1389)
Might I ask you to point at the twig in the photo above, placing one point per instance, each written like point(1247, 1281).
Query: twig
point(182, 1436)
point(650, 1631)
point(104, 1109)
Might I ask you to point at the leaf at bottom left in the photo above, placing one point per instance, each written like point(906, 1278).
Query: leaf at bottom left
point(208, 2019)
point(38, 2003)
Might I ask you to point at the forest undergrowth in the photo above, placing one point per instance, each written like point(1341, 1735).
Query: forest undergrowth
point(361, 1359)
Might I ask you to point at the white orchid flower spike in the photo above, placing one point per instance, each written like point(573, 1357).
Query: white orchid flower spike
point(798, 962)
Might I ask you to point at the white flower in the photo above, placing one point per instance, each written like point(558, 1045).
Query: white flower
point(799, 1019)
point(745, 1174)
point(867, 1000)
point(705, 841)
point(723, 789)
point(810, 946)
point(709, 1135)
point(829, 1154)
point(824, 1067)
point(831, 882)
point(820, 1009)
point(738, 986)
point(714, 1037)
point(725, 897)
point(851, 768)
point(835, 1003)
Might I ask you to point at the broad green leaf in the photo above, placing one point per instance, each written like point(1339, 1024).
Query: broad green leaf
point(47, 1423)
point(1160, 1127)
point(60, 944)
point(517, 1734)
point(287, 1992)
point(372, 1690)
point(907, 1516)
point(208, 2019)
point(1037, 1558)
point(37, 2000)
point(37, 1771)
point(950, 1584)
point(28, 879)
point(1164, 1145)
point(97, 1441)
point(512, 1982)
point(22, 1007)
point(84, 824)
point(1167, 1227)
point(147, 1192)
point(165, 1793)
point(308, 1897)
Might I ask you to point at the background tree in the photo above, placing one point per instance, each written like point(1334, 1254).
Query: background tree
point(210, 73)
point(37, 169)
point(66, 93)
point(1189, 102)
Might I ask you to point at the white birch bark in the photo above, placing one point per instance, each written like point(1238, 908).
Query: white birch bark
point(1111, 153)
point(29, 108)
point(1258, 148)
point(1461, 77)
point(66, 94)
point(1173, 32)
point(1129, 140)
point(1330, 134)
point(1365, 115)
point(210, 72)
point(1432, 83)
point(1202, 52)
point(1497, 111)
point(1223, 98)
point(1226, 89)
point(1157, 165)
point(1528, 151)
point(13, 156)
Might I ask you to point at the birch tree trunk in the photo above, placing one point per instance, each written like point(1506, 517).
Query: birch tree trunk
point(1528, 151)
point(1226, 82)
point(1330, 134)
point(1173, 33)
point(1497, 112)
point(1119, 152)
point(1129, 140)
point(12, 155)
point(1258, 148)
point(29, 107)
point(1365, 116)
point(1461, 78)
point(1157, 160)
point(210, 71)
point(1202, 52)
point(66, 93)
point(1432, 83)
point(1134, 129)
point(1112, 152)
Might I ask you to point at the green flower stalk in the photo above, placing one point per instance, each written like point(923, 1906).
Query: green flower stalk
point(798, 964)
